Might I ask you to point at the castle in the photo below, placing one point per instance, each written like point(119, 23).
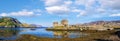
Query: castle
point(63, 23)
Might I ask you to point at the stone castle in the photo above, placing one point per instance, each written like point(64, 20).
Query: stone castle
point(63, 23)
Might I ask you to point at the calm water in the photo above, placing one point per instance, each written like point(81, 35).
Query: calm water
point(14, 33)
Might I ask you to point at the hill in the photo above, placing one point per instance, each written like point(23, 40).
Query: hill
point(9, 22)
point(113, 24)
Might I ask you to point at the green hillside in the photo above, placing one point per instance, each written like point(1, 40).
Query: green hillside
point(9, 22)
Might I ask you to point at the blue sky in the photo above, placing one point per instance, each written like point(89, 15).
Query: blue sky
point(44, 12)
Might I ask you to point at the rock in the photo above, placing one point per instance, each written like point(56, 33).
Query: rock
point(1, 31)
point(118, 33)
point(114, 38)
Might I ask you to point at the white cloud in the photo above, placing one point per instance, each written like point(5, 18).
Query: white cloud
point(3, 14)
point(57, 10)
point(82, 7)
point(68, 2)
point(59, 7)
point(52, 2)
point(89, 7)
point(113, 4)
point(92, 7)
point(86, 3)
point(100, 10)
point(23, 12)
point(76, 10)
point(80, 2)
point(66, 6)
point(95, 7)
point(113, 15)
point(82, 13)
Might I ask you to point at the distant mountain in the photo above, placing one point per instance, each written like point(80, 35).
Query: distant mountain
point(9, 22)
point(96, 22)
point(35, 25)
point(117, 21)
point(114, 24)
point(103, 22)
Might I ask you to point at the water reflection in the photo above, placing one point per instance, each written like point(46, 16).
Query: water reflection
point(68, 34)
point(8, 33)
point(59, 34)
point(14, 33)
point(42, 32)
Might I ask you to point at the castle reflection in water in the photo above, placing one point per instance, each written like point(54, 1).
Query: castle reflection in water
point(68, 34)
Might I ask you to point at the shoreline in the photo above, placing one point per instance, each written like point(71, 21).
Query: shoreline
point(94, 36)
point(52, 29)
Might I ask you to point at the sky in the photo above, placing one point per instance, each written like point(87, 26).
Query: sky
point(45, 12)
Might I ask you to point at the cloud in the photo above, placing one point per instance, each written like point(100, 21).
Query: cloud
point(113, 4)
point(99, 7)
point(86, 3)
point(91, 7)
point(80, 2)
point(113, 15)
point(82, 7)
point(82, 13)
point(3, 14)
point(23, 12)
point(68, 6)
point(57, 10)
point(68, 2)
point(76, 10)
point(59, 7)
point(100, 10)
point(52, 2)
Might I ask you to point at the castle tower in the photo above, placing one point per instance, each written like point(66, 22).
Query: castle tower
point(55, 24)
point(64, 23)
